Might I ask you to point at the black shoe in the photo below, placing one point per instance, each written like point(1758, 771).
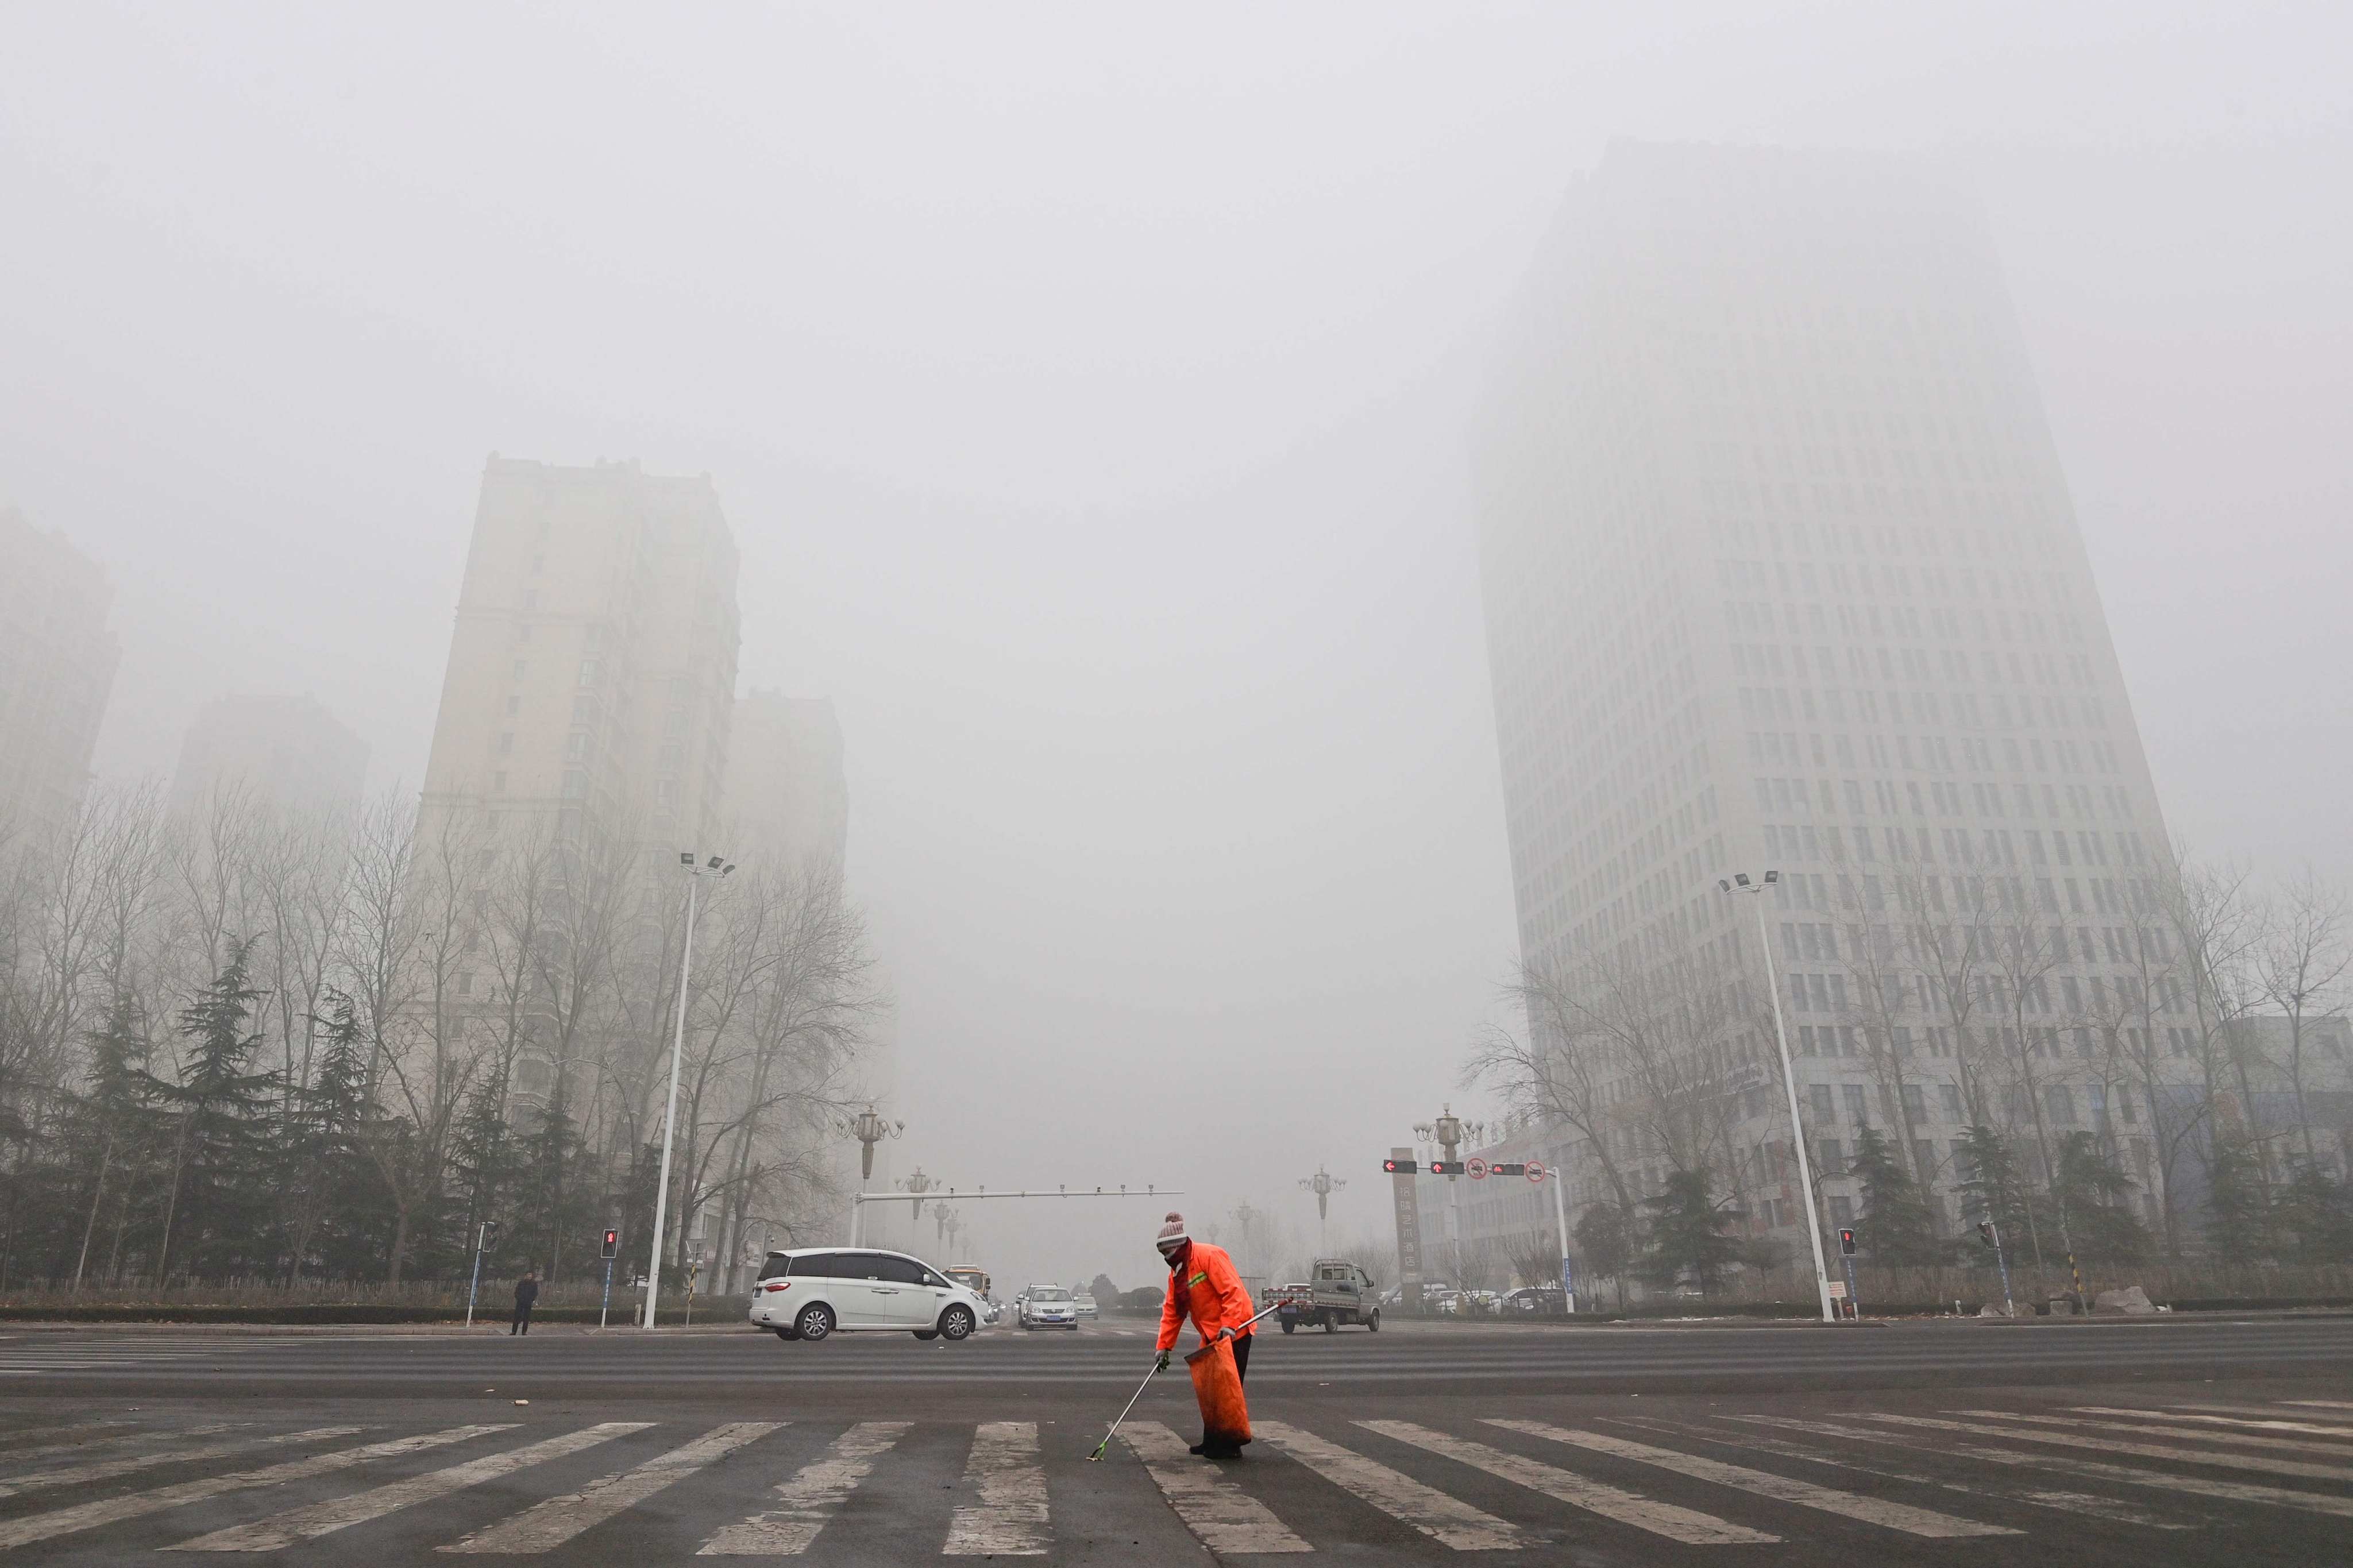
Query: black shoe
point(1197, 1449)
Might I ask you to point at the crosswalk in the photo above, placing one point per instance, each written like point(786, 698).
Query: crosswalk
point(1678, 1480)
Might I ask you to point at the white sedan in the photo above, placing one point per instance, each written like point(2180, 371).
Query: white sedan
point(1049, 1307)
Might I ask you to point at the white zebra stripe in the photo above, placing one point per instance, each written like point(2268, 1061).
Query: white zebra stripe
point(1221, 1516)
point(1764, 1483)
point(2251, 1416)
point(2171, 1433)
point(547, 1525)
point(1009, 1519)
point(811, 1498)
point(107, 1469)
point(1444, 1518)
point(111, 1510)
point(2030, 1430)
point(1664, 1519)
point(2229, 1491)
point(2083, 1503)
point(282, 1531)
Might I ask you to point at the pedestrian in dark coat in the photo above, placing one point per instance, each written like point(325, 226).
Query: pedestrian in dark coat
point(526, 1293)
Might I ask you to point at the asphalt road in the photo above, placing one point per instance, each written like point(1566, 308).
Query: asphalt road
point(2223, 1441)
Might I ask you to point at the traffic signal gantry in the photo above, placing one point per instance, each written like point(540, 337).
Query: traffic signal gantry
point(1478, 1169)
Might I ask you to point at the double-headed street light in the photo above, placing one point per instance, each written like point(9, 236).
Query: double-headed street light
point(717, 868)
point(1740, 883)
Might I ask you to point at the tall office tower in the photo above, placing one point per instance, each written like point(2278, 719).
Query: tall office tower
point(1781, 572)
point(787, 800)
point(56, 665)
point(287, 750)
point(592, 670)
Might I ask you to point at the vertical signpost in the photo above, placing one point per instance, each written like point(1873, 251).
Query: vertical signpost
point(1537, 1173)
point(612, 1245)
point(484, 1239)
point(1846, 1256)
point(1408, 1230)
point(1990, 1234)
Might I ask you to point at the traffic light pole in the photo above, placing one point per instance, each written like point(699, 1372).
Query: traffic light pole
point(604, 1310)
point(669, 1118)
point(1560, 1218)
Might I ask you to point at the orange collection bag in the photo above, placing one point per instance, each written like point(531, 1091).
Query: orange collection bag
point(1219, 1387)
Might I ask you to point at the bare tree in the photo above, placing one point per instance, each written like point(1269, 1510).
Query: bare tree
point(2302, 958)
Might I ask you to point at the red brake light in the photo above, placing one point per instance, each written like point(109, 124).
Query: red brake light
point(774, 1285)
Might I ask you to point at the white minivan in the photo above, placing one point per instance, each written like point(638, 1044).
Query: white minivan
point(813, 1292)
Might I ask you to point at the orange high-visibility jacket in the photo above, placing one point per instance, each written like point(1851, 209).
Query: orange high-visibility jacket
point(1210, 1292)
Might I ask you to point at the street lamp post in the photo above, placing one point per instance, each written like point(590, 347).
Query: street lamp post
point(717, 868)
point(1450, 1133)
point(1790, 1083)
point(1322, 1183)
point(869, 1129)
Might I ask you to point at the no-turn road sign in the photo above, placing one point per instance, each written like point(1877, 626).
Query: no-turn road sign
point(1475, 1168)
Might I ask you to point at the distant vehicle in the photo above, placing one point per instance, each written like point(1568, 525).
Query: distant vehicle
point(1340, 1294)
point(1084, 1302)
point(970, 1276)
point(813, 1292)
point(1049, 1307)
point(1537, 1302)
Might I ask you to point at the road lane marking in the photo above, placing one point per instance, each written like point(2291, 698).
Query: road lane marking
point(107, 1469)
point(2319, 1404)
point(2084, 1503)
point(1442, 1518)
point(813, 1495)
point(25, 1434)
point(1009, 1519)
point(1221, 1516)
point(549, 1524)
point(282, 1531)
point(2230, 1491)
point(1665, 1519)
point(117, 1440)
point(2201, 1412)
point(2031, 1432)
point(1764, 1483)
point(111, 1510)
point(2174, 1433)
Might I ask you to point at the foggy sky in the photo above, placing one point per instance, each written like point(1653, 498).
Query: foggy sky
point(1088, 390)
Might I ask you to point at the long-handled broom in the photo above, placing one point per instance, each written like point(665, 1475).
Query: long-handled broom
point(1139, 1393)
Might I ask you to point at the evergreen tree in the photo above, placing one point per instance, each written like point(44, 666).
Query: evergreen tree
point(1994, 1188)
point(2316, 1215)
point(338, 1214)
point(1606, 1239)
point(1688, 1231)
point(110, 1133)
point(1895, 1230)
point(2238, 1204)
point(2095, 1195)
point(484, 1165)
point(219, 1202)
point(548, 1210)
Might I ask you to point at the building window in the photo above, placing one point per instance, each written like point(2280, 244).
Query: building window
point(576, 783)
point(1833, 1156)
point(1825, 1114)
point(519, 667)
point(514, 706)
point(1951, 1095)
point(498, 782)
point(587, 672)
point(1841, 1211)
point(506, 743)
point(575, 745)
point(1858, 1111)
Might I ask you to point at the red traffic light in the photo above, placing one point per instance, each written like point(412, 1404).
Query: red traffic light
point(612, 1242)
point(1446, 1167)
point(1508, 1168)
point(1400, 1167)
point(1846, 1241)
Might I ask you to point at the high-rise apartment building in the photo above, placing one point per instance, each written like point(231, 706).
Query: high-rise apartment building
point(1780, 570)
point(787, 799)
point(592, 670)
point(287, 750)
point(58, 660)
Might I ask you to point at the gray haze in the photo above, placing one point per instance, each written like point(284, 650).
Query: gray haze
point(1088, 390)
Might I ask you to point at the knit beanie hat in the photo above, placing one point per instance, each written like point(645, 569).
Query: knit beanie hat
point(1172, 1231)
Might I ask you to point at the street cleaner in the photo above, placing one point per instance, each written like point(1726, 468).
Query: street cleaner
point(1203, 1284)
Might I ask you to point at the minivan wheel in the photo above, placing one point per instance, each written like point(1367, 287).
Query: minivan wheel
point(927, 1334)
point(784, 1333)
point(956, 1323)
point(815, 1323)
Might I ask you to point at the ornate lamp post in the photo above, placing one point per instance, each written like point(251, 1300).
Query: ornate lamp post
point(1450, 1133)
point(918, 1184)
point(870, 1129)
point(1322, 1183)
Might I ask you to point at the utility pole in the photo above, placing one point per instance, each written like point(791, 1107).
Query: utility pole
point(1790, 1083)
point(484, 1239)
point(694, 875)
